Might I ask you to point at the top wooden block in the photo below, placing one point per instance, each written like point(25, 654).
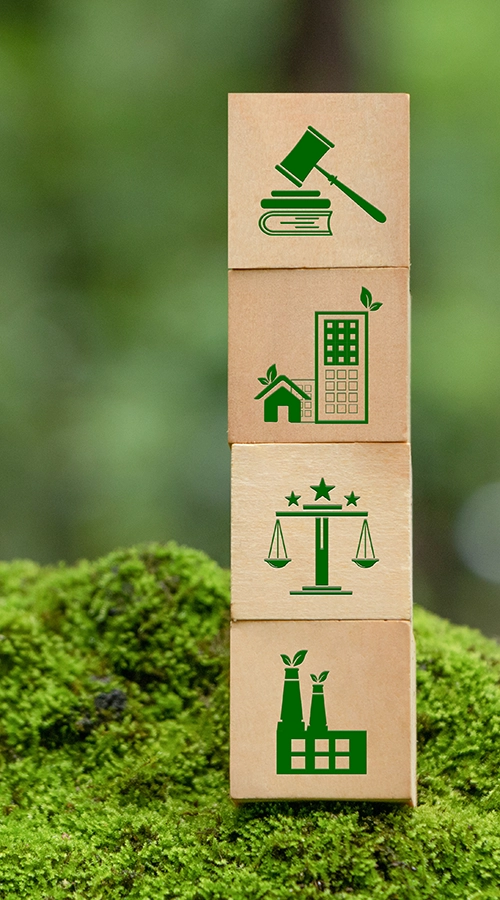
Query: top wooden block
point(318, 180)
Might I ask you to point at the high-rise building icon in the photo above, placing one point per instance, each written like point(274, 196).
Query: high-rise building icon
point(314, 749)
point(341, 379)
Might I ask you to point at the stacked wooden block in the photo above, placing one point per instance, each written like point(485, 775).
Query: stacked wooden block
point(322, 654)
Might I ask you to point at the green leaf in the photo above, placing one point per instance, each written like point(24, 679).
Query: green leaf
point(286, 659)
point(314, 677)
point(323, 676)
point(271, 373)
point(299, 657)
point(375, 306)
point(365, 297)
point(263, 381)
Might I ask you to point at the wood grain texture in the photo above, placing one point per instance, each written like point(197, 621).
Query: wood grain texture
point(369, 689)
point(370, 133)
point(278, 317)
point(272, 483)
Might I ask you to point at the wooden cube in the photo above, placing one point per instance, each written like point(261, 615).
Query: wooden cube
point(321, 531)
point(323, 710)
point(318, 180)
point(318, 355)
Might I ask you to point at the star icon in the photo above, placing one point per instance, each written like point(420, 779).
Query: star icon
point(351, 498)
point(322, 490)
point(293, 499)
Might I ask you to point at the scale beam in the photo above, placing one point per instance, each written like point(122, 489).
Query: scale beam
point(322, 506)
point(321, 513)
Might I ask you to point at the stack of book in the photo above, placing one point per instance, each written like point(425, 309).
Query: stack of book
point(296, 212)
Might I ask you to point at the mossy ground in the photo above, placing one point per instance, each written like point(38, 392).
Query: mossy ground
point(114, 749)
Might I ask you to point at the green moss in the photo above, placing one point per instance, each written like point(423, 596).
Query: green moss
point(113, 753)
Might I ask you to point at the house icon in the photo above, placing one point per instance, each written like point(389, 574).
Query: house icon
point(282, 392)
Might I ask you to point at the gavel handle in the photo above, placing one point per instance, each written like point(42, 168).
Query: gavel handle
point(372, 211)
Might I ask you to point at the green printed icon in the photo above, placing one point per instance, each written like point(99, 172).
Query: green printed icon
point(274, 558)
point(322, 513)
point(281, 391)
point(306, 212)
point(341, 367)
point(338, 391)
point(295, 212)
point(365, 554)
point(313, 749)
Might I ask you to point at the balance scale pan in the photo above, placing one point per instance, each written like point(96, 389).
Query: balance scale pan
point(277, 563)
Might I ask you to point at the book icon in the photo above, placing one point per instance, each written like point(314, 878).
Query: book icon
point(295, 212)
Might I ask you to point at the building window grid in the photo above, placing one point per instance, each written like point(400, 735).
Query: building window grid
point(337, 392)
point(306, 406)
point(341, 342)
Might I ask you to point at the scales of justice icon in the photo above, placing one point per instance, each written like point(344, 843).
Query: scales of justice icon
point(322, 513)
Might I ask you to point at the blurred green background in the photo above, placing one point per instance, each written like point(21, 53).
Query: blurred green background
point(113, 265)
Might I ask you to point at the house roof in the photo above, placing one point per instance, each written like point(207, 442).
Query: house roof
point(288, 381)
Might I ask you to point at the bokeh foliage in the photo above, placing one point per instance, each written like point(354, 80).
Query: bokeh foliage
point(112, 260)
point(445, 56)
point(113, 268)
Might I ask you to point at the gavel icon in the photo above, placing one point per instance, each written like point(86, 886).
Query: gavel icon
point(305, 156)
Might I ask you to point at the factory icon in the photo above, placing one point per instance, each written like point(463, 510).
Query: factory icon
point(314, 749)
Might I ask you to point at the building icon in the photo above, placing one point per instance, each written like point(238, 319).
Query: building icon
point(338, 391)
point(341, 359)
point(314, 749)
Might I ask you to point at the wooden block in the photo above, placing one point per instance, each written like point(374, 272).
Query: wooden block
point(318, 355)
point(323, 710)
point(321, 531)
point(318, 180)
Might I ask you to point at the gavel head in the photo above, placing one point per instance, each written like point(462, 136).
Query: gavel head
point(304, 156)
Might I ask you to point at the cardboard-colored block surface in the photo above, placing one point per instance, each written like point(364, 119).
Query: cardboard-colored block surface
point(318, 355)
point(323, 710)
point(318, 180)
point(321, 531)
